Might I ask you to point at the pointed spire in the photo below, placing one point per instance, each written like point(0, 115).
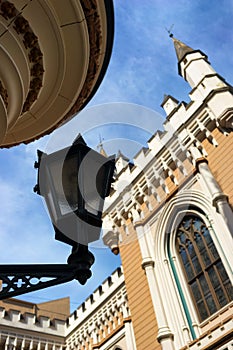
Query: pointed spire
point(181, 48)
point(121, 162)
point(121, 155)
point(168, 97)
point(169, 104)
point(102, 151)
point(101, 148)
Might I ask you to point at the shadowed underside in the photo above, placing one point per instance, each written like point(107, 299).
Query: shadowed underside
point(53, 56)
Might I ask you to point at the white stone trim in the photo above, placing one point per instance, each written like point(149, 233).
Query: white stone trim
point(166, 224)
point(165, 335)
point(113, 340)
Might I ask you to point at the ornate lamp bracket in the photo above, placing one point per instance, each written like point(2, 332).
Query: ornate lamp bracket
point(21, 279)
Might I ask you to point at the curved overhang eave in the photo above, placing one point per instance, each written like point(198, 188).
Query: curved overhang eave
point(36, 122)
point(109, 45)
point(107, 56)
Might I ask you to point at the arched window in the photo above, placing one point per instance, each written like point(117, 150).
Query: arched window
point(206, 276)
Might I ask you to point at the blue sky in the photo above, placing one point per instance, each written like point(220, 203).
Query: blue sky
point(142, 69)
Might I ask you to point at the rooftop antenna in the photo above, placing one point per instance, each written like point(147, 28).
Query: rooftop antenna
point(170, 30)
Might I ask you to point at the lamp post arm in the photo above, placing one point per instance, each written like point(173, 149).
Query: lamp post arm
point(20, 279)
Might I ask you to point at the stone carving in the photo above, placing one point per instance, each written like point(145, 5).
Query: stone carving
point(31, 44)
point(95, 38)
point(8, 10)
point(4, 95)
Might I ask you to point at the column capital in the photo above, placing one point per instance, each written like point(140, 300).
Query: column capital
point(111, 240)
point(219, 197)
point(164, 333)
point(201, 160)
point(147, 262)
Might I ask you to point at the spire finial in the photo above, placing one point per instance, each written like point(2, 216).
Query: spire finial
point(100, 146)
point(170, 30)
point(181, 49)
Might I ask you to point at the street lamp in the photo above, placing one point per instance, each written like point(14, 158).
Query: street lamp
point(74, 182)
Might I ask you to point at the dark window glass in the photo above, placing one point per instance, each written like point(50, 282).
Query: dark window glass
point(206, 276)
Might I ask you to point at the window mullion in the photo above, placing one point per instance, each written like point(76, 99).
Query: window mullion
point(206, 277)
point(222, 285)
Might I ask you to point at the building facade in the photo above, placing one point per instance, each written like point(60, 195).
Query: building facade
point(103, 321)
point(170, 216)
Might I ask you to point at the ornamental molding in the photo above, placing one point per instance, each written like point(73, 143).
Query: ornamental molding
point(14, 19)
point(219, 333)
point(12, 340)
point(165, 168)
point(18, 320)
point(226, 119)
point(102, 303)
point(147, 262)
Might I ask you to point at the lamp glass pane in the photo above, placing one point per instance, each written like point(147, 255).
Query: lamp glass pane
point(46, 190)
point(70, 182)
point(92, 182)
point(62, 186)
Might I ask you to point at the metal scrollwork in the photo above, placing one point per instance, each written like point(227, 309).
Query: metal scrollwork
point(20, 279)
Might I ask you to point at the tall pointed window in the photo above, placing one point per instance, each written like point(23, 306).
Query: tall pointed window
point(206, 276)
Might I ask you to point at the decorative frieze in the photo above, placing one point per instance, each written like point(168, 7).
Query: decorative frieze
point(15, 19)
point(101, 318)
point(159, 176)
point(12, 341)
point(95, 38)
point(4, 94)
